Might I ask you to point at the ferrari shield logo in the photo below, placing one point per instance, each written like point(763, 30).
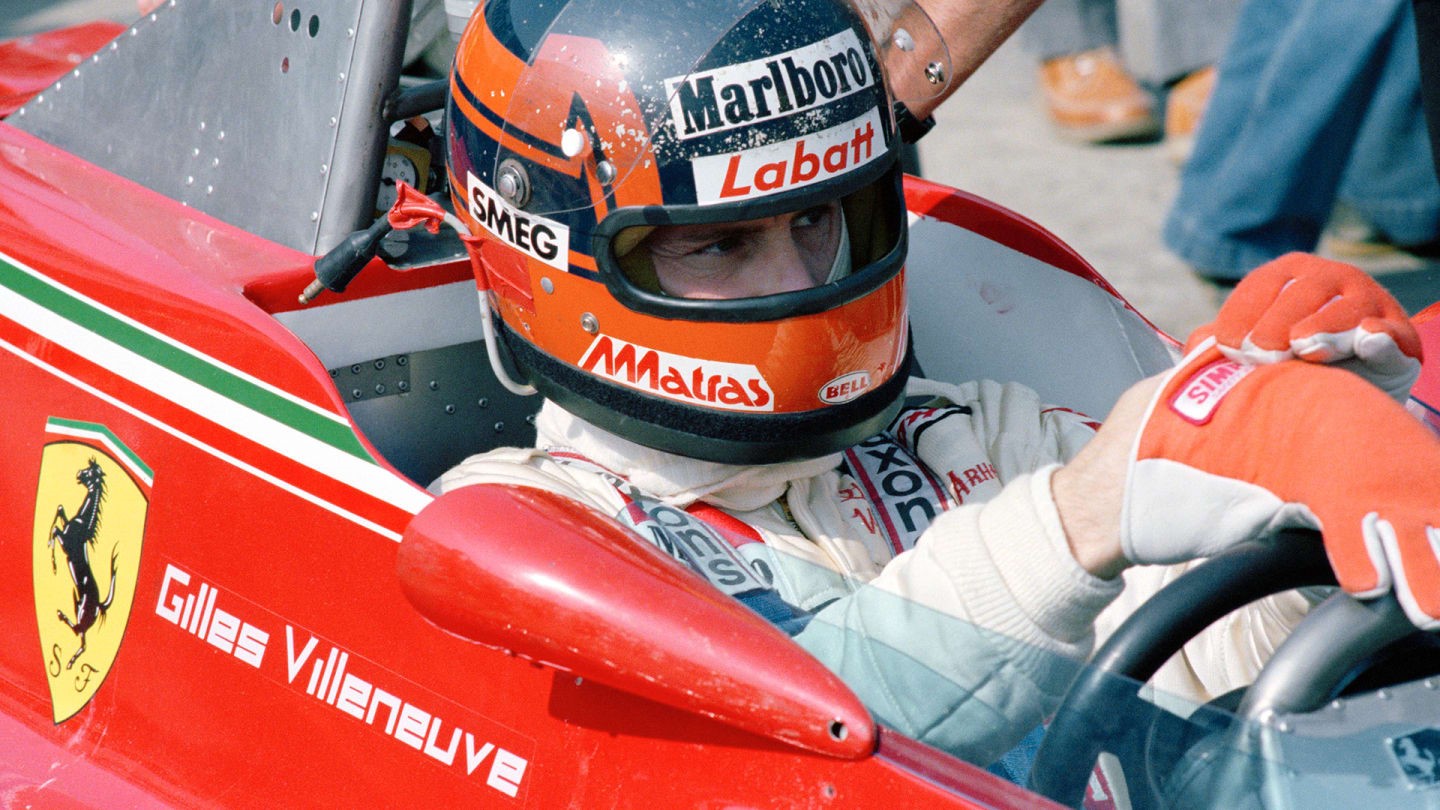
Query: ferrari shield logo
point(89, 523)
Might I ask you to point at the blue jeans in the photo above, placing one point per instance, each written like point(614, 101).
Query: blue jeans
point(1317, 100)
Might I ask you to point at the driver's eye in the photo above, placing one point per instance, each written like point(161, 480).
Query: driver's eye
point(719, 247)
point(812, 216)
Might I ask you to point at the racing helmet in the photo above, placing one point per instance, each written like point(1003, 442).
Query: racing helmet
point(577, 127)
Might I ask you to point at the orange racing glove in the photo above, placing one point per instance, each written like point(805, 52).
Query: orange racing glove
point(1228, 451)
point(1323, 311)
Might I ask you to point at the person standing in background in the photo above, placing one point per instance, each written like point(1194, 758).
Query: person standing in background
point(1317, 102)
point(1103, 61)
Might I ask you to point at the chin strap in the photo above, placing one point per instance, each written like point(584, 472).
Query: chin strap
point(492, 350)
point(911, 129)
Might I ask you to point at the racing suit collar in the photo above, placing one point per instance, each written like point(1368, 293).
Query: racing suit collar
point(675, 479)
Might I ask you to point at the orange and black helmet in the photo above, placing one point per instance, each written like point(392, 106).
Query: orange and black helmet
point(576, 127)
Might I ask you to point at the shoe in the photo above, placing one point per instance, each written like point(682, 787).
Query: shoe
point(1183, 108)
point(1092, 98)
point(1350, 236)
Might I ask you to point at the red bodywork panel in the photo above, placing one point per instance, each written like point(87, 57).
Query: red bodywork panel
point(31, 64)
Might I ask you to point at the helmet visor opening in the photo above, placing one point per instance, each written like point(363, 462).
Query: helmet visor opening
point(760, 263)
point(791, 251)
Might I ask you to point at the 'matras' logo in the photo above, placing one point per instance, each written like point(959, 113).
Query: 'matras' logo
point(732, 386)
point(788, 164)
point(541, 238)
point(764, 89)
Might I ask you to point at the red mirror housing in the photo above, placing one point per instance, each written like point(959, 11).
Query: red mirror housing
point(541, 577)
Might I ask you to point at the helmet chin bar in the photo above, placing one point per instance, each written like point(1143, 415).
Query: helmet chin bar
point(723, 437)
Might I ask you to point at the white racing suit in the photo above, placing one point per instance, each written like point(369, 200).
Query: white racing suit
point(965, 639)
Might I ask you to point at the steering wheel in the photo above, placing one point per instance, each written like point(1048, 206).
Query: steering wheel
point(1100, 710)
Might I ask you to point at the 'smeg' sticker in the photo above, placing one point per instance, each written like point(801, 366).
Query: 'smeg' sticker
point(540, 238)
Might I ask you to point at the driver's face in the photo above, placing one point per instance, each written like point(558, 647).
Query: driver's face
point(784, 253)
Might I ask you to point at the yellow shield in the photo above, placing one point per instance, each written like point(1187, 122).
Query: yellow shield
point(89, 523)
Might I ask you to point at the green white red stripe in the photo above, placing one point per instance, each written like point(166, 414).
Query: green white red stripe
point(310, 435)
point(100, 434)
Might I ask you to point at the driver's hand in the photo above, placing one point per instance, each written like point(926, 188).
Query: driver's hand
point(1228, 451)
point(1324, 311)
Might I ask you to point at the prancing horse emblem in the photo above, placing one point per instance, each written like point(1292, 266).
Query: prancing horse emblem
point(75, 535)
point(90, 509)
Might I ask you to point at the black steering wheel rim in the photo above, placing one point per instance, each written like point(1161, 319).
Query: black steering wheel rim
point(1087, 721)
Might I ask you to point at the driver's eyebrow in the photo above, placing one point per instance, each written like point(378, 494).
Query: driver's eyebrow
point(686, 235)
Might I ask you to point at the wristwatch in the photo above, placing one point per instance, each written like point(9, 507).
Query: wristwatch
point(911, 128)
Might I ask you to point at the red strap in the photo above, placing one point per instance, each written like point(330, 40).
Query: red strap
point(735, 531)
point(412, 208)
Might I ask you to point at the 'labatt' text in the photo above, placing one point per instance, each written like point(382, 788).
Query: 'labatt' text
point(764, 89)
point(732, 386)
point(788, 164)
